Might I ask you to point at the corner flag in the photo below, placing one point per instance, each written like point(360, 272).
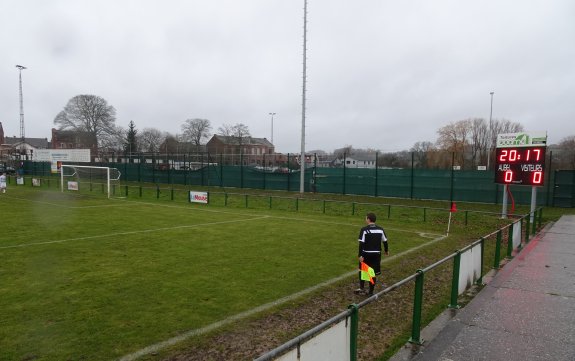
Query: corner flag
point(453, 208)
point(367, 273)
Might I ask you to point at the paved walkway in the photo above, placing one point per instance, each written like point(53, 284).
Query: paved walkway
point(526, 312)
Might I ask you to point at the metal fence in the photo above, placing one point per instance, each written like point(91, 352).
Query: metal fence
point(337, 338)
point(406, 179)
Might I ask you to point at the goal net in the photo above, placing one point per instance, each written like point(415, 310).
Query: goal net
point(90, 179)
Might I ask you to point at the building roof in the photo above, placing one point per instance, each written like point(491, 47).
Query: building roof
point(38, 143)
point(246, 140)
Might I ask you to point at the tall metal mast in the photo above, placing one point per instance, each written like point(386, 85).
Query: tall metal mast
point(22, 133)
point(302, 155)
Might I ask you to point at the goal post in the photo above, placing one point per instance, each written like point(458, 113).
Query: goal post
point(72, 177)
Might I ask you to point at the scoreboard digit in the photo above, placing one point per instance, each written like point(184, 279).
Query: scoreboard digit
point(520, 165)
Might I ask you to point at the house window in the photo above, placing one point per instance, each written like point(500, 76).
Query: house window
point(63, 145)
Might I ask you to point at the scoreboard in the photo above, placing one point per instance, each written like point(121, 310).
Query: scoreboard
point(520, 159)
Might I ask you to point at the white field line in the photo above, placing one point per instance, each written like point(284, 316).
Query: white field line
point(186, 335)
point(131, 232)
point(307, 219)
point(420, 233)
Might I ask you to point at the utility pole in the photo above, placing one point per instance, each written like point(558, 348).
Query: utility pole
point(22, 133)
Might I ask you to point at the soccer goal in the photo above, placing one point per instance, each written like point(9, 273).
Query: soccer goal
point(80, 177)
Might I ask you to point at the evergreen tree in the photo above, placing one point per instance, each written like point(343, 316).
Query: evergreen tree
point(131, 144)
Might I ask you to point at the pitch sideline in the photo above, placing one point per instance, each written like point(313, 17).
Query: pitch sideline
point(174, 340)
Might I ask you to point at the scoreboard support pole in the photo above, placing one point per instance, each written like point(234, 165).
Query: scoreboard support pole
point(504, 207)
point(533, 204)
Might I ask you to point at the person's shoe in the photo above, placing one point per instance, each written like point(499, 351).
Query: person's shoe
point(359, 291)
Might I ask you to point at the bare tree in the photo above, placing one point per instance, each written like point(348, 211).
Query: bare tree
point(237, 134)
point(112, 141)
point(420, 152)
point(478, 141)
point(195, 130)
point(150, 140)
point(566, 153)
point(454, 138)
point(88, 114)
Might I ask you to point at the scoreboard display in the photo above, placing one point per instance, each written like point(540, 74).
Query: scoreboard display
point(520, 166)
point(520, 159)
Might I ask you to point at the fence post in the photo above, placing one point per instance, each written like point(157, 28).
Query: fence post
point(455, 280)
point(527, 227)
point(157, 191)
point(510, 242)
point(534, 225)
point(288, 173)
point(353, 331)
point(264, 170)
point(126, 187)
point(424, 214)
point(221, 170)
point(242, 169)
point(417, 303)
point(388, 211)
point(225, 199)
point(353, 208)
point(520, 234)
point(540, 216)
point(270, 202)
point(344, 168)
point(497, 250)
point(297, 204)
point(466, 215)
point(376, 175)
point(246, 196)
point(324, 206)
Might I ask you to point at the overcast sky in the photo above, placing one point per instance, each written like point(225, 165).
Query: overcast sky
point(381, 74)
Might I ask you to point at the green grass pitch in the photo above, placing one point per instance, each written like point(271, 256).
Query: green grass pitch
point(96, 279)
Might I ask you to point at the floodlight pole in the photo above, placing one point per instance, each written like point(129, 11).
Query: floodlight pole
point(302, 154)
point(490, 136)
point(22, 133)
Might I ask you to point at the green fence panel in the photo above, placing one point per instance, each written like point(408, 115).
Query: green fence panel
point(460, 185)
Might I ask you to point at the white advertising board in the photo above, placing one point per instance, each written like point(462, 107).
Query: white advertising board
point(72, 186)
point(469, 268)
point(198, 197)
point(62, 155)
point(332, 344)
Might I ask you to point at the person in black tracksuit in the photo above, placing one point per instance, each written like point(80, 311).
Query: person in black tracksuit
point(370, 240)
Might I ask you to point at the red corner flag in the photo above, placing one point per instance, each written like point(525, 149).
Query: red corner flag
point(453, 208)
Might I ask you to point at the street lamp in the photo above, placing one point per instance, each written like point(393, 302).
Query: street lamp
point(272, 114)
